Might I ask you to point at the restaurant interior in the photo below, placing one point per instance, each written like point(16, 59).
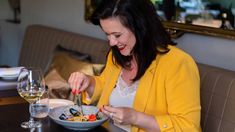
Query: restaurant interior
point(46, 33)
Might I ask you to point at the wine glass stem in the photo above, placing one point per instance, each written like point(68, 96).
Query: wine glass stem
point(31, 118)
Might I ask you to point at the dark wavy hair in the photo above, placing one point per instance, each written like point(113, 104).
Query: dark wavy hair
point(140, 17)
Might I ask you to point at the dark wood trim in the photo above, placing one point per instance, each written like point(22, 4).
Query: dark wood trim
point(10, 96)
point(11, 100)
point(216, 32)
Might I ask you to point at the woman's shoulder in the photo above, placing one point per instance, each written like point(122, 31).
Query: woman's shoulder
point(175, 51)
point(176, 55)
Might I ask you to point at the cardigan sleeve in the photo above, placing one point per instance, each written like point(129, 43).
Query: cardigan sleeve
point(183, 98)
point(99, 83)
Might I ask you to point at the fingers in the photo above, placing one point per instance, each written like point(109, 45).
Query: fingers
point(112, 112)
point(110, 108)
point(120, 115)
point(106, 110)
point(74, 82)
point(118, 121)
point(115, 116)
point(85, 83)
point(78, 82)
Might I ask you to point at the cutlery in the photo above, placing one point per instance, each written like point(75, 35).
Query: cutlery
point(78, 100)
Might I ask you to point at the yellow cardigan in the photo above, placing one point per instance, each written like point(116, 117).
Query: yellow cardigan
point(169, 90)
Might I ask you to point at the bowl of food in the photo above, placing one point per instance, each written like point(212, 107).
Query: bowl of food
point(71, 117)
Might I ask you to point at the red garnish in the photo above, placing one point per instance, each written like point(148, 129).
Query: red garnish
point(92, 117)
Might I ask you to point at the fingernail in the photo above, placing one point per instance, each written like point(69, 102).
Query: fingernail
point(78, 91)
point(73, 92)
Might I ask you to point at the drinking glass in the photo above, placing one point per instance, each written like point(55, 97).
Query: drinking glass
point(31, 87)
point(40, 108)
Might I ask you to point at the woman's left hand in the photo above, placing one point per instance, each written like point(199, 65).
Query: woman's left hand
point(121, 115)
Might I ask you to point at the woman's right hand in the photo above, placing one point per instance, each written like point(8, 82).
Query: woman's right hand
point(79, 82)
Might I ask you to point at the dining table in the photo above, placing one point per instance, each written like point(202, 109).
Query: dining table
point(8, 88)
point(14, 110)
point(8, 92)
point(11, 117)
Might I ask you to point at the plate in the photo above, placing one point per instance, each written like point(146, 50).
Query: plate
point(53, 103)
point(56, 112)
point(9, 77)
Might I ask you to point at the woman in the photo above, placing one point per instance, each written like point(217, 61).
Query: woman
point(148, 84)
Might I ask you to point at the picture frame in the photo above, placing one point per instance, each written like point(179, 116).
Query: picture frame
point(90, 6)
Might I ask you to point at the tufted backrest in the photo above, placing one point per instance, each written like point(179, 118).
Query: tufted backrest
point(40, 41)
point(217, 99)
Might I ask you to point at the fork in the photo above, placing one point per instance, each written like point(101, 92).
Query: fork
point(78, 100)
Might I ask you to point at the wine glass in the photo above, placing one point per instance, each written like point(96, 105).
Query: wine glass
point(31, 87)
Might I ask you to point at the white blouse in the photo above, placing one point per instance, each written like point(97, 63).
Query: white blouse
point(123, 96)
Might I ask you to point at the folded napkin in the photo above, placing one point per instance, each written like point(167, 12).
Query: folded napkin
point(14, 71)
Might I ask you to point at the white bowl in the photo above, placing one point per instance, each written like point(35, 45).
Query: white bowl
point(10, 77)
point(56, 112)
point(53, 103)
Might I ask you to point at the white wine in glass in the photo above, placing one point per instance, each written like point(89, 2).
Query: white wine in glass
point(31, 87)
point(31, 97)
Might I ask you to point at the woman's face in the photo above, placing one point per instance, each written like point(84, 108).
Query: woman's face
point(118, 35)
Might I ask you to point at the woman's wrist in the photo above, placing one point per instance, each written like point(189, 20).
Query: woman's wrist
point(145, 121)
point(90, 89)
point(135, 117)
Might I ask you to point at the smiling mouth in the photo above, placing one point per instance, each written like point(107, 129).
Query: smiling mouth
point(121, 48)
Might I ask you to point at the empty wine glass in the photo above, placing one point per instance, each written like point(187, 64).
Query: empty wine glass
point(31, 87)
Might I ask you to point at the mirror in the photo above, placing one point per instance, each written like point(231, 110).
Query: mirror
point(207, 17)
point(15, 5)
point(90, 6)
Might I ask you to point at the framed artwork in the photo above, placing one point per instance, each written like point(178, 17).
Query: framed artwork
point(90, 6)
point(15, 6)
